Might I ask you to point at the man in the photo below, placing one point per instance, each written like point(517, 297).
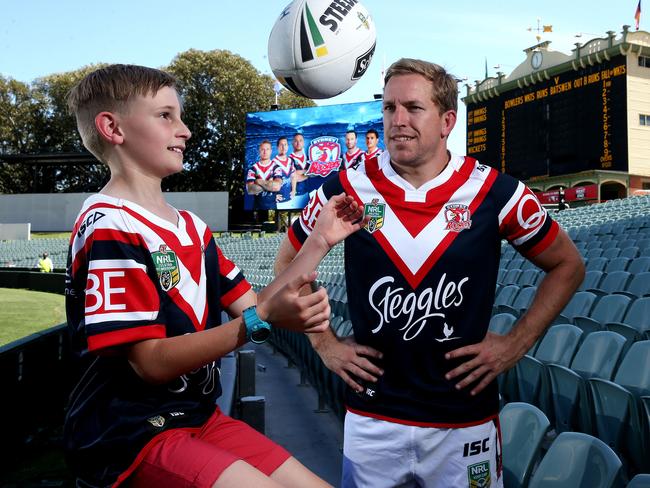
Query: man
point(283, 170)
point(421, 282)
point(261, 181)
point(300, 163)
point(353, 155)
point(372, 139)
point(45, 263)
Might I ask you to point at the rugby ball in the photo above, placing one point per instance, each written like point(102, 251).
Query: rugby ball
point(320, 48)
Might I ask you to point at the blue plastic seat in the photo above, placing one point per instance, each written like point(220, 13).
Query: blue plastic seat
point(596, 357)
point(577, 460)
point(639, 481)
point(614, 281)
point(636, 323)
point(610, 308)
point(592, 280)
point(502, 323)
point(580, 305)
point(529, 277)
point(505, 297)
point(511, 277)
point(630, 252)
point(639, 265)
point(617, 406)
point(611, 253)
point(617, 264)
point(596, 264)
point(523, 428)
point(638, 286)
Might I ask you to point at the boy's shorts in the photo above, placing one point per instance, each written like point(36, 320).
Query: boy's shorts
point(385, 454)
point(196, 457)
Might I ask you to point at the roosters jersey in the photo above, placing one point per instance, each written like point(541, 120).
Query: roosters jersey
point(264, 199)
point(352, 160)
point(133, 276)
point(374, 154)
point(300, 163)
point(421, 279)
point(284, 169)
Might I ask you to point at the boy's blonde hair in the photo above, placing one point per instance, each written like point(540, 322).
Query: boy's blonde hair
point(444, 86)
point(110, 89)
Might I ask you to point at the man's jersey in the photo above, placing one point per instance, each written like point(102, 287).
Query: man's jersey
point(133, 276)
point(375, 153)
point(284, 169)
point(421, 279)
point(352, 160)
point(300, 163)
point(265, 199)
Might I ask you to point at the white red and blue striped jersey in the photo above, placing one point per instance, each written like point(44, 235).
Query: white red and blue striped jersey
point(261, 171)
point(374, 154)
point(300, 162)
point(352, 160)
point(283, 170)
point(421, 278)
point(134, 276)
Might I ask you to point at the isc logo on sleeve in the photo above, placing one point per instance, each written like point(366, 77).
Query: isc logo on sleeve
point(119, 290)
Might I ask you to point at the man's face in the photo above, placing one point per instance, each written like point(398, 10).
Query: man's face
point(371, 141)
point(283, 147)
point(298, 143)
point(415, 132)
point(350, 140)
point(265, 152)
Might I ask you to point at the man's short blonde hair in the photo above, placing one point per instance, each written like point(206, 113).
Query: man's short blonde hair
point(110, 89)
point(444, 86)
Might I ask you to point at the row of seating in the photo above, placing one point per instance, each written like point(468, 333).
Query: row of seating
point(573, 460)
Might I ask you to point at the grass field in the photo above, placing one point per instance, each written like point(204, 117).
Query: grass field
point(23, 312)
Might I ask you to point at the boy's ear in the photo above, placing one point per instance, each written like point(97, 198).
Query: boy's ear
point(107, 125)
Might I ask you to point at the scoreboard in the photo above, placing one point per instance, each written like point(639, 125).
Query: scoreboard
point(575, 121)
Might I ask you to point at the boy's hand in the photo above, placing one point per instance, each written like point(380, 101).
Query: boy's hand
point(289, 310)
point(340, 217)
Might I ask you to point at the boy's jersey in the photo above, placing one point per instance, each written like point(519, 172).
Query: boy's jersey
point(421, 278)
point(284, 169)
point(133, 276)
point(352, 160)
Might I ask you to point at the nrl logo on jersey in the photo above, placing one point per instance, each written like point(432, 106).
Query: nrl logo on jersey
point(167, 267)
point(157, 421)
point(458, 217)
point(324, 156)
point(478, 475)
point(376, 211)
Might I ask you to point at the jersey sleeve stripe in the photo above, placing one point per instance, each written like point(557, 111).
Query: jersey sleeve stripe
point(121, 316)
point(514, 199)
point(125, 336)
point(235, 293)
point(545, 242)
point(233, 273)
point(116, 264)
point(293, 239)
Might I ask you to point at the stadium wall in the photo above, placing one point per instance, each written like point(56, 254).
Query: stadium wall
point(56, 212)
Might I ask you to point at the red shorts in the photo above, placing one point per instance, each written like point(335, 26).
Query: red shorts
point(196, 457)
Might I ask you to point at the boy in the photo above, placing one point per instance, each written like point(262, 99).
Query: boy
point(145, 288)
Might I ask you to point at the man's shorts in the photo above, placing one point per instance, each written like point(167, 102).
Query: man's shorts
point(196, 457)
point(378, 454)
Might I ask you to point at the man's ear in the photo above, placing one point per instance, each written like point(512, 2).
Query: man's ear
point(448, 123)
point(107, 125)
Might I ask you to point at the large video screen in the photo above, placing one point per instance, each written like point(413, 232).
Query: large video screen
point(281, 173)
point(572, 122)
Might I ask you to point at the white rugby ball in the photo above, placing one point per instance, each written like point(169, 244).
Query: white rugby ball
point(320, 48)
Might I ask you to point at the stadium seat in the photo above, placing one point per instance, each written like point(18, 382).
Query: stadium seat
point(630, 252)
point(577, 460)
point(639, 265)
point(596, 264)
point(558, 346)
point(617, 406)
point(636, 323)
point(592, 279)
point(594, 252)
point(617, 264)
point(612, 282)
point(639, 481)
point(505, 297)
point(515, 263)
point(579, 305)
point(523, 428)
point(521, 303)
point(638, 286)
point(529, 277)
point(611, 253)
point(511, 277)
point(610, 308)
point(596, 357)
point(502, 323)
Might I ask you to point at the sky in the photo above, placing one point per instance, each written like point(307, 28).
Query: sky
point(41, 37)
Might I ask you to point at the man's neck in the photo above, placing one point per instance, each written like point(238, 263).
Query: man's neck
point(353, 150)
point(420, 174)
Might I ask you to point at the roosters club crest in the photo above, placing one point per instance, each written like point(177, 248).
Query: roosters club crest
point(376, 211)
point(458, 217)
point(324, 156)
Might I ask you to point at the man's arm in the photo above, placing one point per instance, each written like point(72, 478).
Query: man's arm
point(342, 356)
point(253, 188)
point(495, 354)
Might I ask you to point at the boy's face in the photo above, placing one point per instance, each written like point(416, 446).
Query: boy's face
point(154, 134)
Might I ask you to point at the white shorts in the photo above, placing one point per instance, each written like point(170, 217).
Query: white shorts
point(378, 454)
